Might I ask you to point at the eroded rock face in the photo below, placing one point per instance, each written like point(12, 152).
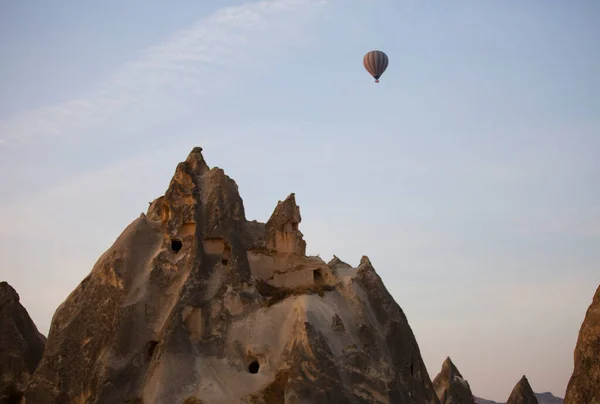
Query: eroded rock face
point(584, 384)
point(522, 393)
point(21, 346)
point(195, 304)
point(451, 387)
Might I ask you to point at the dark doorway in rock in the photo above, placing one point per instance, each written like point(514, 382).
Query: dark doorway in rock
point(151, 347)
point(176, 245)
point(411, 368)
point(253, 367)
point(318, 277)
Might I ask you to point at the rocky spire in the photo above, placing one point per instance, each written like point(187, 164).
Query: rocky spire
point(21, 346)
point(584, 384)
point(451, 387)
point(522, 393)
point(196, 162)
point(282, 234)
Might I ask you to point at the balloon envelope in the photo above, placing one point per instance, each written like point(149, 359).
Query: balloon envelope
point(376, 62)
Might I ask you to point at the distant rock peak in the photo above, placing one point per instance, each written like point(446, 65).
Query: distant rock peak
point(522, 393)
point(451, 387)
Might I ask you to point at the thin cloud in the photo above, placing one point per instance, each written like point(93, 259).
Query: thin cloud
point(193, 60)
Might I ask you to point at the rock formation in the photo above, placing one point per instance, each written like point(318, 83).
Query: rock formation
point(450, 387)
point(21, 346)
point(584, 384)
point(195, 304)
point(522, 393)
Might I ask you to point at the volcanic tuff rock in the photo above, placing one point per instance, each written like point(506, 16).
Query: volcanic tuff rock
point(21, 346)
point(195, 304)
point(522, 393)
point(584, 385)
point(451, 387)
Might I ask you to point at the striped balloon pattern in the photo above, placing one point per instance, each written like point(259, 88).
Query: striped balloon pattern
point(376, 62)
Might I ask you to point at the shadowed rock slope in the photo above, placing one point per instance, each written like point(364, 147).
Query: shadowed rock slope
point(21, 346)
point(584, 384)
point(195, 304)
point(451, 387)
point(522, 393)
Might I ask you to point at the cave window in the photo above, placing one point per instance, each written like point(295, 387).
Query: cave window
point(253, 367)
point(318, 277)
point(224, 261)
point(411, 368)
point(176, 245)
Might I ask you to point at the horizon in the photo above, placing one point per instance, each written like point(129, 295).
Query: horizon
point(466, 175)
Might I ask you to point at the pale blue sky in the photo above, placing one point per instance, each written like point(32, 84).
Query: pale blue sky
point(469, 175)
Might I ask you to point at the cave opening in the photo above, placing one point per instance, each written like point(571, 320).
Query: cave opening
point(253, 367)
point(318, 277)
point(176, 245)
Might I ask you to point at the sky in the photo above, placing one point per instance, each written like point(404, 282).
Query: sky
point(468, 175)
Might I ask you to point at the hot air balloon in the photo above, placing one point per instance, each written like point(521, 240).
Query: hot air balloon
point(376, 62)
